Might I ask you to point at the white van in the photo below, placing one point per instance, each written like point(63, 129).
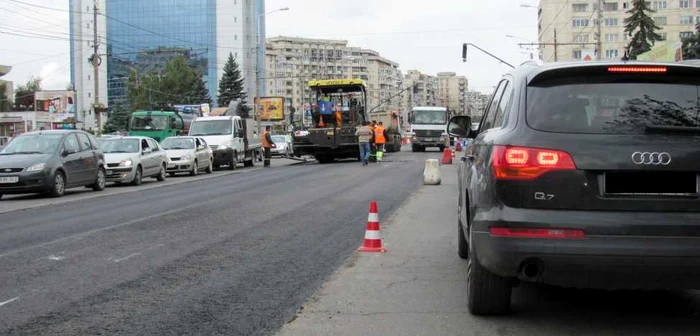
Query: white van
point(232, 139)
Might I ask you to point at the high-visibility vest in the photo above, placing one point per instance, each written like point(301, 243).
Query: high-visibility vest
point(266, 144)
point(379, 135)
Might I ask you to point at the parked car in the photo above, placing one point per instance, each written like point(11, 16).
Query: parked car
point(582, 175)
point(51, 162)
point(187, 154)
point(284, 145)
point(131, 158)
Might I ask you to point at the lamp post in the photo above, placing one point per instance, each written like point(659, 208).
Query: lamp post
point(260, 42)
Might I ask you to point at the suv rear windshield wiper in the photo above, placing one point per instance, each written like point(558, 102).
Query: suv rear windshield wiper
point(671, 129)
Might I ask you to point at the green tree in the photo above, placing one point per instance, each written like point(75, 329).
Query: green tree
point(231, 84)
point(691, 45)
point(24, 95)
point(177, 83)
point(200, 91)
point(4, 101)
point(641, 27)
point(117, 120)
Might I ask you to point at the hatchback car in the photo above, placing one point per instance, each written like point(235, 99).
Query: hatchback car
point(131, 158)
point(51, 162)
point(582, 175)
point(188, 154)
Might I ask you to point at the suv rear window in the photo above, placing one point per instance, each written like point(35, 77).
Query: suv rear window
point(613, 105)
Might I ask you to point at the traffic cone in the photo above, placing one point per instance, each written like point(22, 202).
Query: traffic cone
point(373, 237)
point(458, 146)
point(447, 156)
point(320, 121)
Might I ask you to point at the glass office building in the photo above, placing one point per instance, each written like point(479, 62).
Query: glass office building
point(144, 35)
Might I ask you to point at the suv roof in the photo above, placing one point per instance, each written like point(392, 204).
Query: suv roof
point(532, 69)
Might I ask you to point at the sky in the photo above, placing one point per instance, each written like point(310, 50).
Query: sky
point(425, 35)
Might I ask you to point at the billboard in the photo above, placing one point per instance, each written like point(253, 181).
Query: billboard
point(60, 105)
point(271, 108)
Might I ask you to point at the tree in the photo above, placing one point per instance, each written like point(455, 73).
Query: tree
point(691, 45)
point(641, 27)
point(117, 120)
point(231, 84)
point(24, 95)
point(4, 100)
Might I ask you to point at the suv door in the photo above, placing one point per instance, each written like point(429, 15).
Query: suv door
point(72, 160)
point(89, 156)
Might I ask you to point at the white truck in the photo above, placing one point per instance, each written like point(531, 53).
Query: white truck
point(429, 128)
point(233, 138)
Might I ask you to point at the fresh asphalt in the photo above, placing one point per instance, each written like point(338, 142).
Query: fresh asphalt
point(227, 255)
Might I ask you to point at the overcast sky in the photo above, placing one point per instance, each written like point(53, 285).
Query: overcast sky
point(426, 36)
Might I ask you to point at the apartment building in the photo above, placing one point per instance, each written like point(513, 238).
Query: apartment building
point(292, 62)
point(423, 90)
point(476, 104)
point(452, 90)
point(577, 21)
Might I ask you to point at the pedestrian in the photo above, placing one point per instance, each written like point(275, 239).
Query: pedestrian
point(268, 145)
point(364, 134)
point(379, 141)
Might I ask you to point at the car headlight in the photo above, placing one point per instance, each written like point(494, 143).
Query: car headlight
point(126, 163)
point(36, 167)
point(224, 147)
point(186, 158)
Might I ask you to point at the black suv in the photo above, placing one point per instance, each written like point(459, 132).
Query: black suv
point(579, 175)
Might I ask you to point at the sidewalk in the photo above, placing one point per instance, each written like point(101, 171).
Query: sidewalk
point(418, 287)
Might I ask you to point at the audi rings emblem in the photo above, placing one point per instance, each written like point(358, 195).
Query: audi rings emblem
point(651, 158)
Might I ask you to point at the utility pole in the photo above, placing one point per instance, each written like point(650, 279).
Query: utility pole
point(599, 30)
point(96, 67)
point(555, 44)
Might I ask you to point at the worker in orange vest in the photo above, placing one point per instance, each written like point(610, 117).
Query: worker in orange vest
point(268, 145)
point(379, 140)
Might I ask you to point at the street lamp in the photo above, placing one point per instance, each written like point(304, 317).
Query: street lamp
point(258, 45)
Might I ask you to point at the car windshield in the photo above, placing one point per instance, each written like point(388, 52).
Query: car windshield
point(211, 127)
point(33, 144)
point(279, 138)
point(612, 108)
point(178, 143)
point(429, 117)
point(120, 146)
point(146, 123)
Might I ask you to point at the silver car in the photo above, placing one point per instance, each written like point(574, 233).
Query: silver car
point(188, 154)
point(131, 158)
point(283, 145)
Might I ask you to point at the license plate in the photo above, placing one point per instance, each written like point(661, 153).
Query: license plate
point(109, 172)
point(9, 179)
point(431, 139)
point(330, 133)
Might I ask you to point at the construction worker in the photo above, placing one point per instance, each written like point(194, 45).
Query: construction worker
point(379, 141)
point(364, 134)
point(372, 144)
point(268, 145)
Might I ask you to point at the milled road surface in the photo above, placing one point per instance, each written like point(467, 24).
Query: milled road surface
point(230, 255)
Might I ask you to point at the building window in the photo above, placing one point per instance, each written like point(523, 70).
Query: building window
point(581, 38)
point(579, 22)
point(685, 34)
point(684, 3)
point(663, 36)
point(611, 37)
point(610, 6)
point(576, 54)
point(611, 22)
point(611, 53)
point(626, 5)
point(659, 5)
point(578, 8)
point(660, 20)
point(686, 20)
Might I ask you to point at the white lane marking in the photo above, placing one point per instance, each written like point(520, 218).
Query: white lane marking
point(373, 235)
point(56, 258)
point(8, 301)
point(373, 218)
point(127, 257)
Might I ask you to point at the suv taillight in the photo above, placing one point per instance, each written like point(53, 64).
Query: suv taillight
point(525, 163)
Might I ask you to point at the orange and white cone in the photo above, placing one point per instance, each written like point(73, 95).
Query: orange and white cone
point(373, 236)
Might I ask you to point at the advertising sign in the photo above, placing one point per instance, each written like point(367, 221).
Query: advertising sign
point(60, 105)
point(271, 108)
point(664, 52)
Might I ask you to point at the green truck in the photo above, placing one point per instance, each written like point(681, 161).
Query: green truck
point(158, 124)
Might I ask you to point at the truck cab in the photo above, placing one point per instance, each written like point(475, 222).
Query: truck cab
point(157, 125)
point(429, 128)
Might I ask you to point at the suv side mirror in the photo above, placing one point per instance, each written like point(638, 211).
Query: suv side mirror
point(460, 126)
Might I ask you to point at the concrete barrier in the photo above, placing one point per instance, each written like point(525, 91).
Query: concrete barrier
point(431, 172)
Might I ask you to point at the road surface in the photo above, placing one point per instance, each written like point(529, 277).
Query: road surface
point(228, 255)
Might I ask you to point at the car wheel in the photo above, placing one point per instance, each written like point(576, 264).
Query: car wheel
point(251, 162)
point(234, 161)
point(100, 181)
point(195, 168)
point(488, 294)
point(58, 187)
point(462, 244)
point(138, 177)
point(162, 174)
point(210, 167)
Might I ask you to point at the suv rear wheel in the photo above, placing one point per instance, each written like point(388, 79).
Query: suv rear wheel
point(488, 294)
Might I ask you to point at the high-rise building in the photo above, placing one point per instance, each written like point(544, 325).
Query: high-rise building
point(452, 90)
point(292, 62)
point(476, 104)
point(143, 35)
point(577, 22)
point(423, 90)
